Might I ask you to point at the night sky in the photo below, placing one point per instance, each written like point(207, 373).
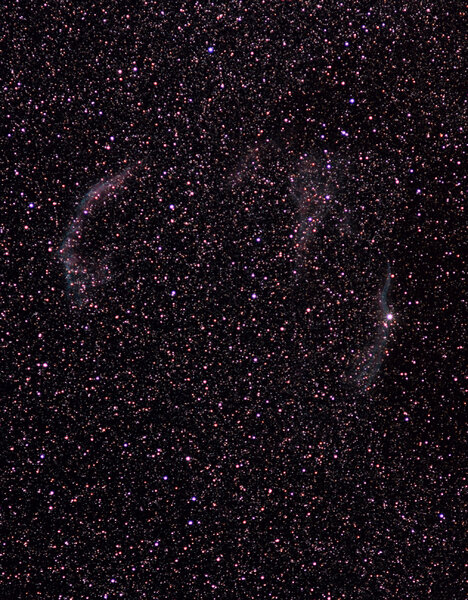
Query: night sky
point(232, 308)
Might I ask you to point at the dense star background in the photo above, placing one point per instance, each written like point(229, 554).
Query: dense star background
point(207, 213)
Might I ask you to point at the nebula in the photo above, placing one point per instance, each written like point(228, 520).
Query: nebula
point(336, 272)
point(289, 232)
point(87, 252)
point(373, 357)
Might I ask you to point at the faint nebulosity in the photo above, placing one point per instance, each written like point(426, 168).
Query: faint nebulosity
point(233, 310)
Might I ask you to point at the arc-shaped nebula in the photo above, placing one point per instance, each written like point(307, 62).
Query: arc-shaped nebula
point(85, 254)
point(371, 363)
point(301, 226)
point(336, 270)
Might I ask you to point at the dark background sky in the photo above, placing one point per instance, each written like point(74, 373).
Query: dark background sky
point(191, 422)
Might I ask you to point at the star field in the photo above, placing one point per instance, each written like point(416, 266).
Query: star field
point(232, 321)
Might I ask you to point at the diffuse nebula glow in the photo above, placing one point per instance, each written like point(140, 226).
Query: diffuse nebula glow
point(336, 267)
point(373, 357)
point(86, 261)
